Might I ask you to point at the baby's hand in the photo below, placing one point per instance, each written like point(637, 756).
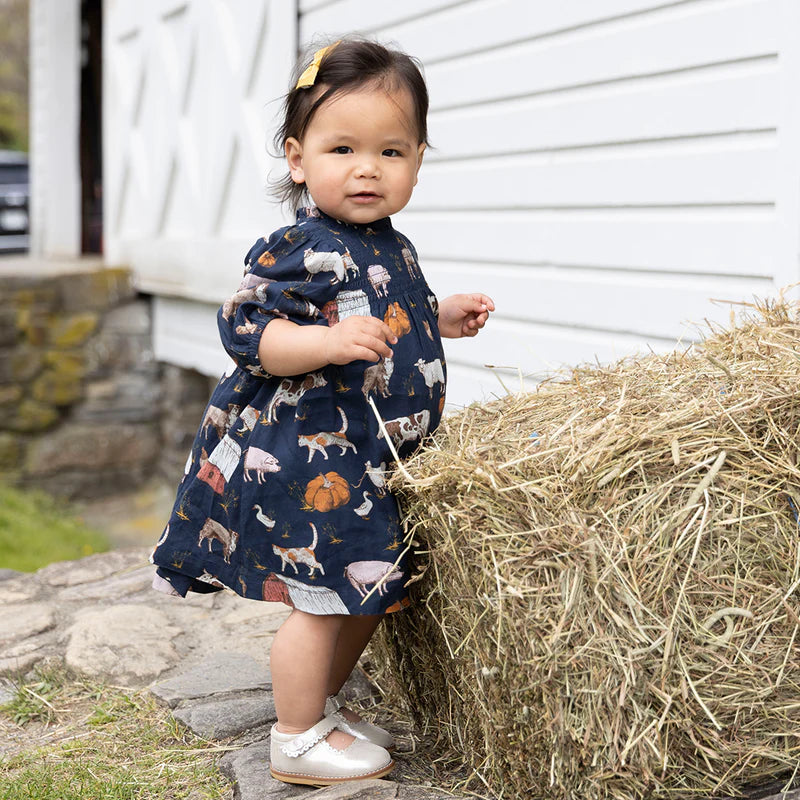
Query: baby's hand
point(357, 338)
point(463, 314)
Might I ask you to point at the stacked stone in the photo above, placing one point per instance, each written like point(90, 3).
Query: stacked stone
point(79, 385)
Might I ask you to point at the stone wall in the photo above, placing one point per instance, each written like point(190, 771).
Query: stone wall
point(85, 410)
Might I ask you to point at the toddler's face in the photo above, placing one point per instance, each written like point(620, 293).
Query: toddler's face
point(359, 157)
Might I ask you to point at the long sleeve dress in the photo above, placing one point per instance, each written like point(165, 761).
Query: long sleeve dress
point(284, 494)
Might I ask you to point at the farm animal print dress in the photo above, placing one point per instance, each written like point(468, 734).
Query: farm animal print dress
point(284, 494)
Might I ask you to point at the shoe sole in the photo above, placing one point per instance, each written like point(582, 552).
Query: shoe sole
point(310, 780)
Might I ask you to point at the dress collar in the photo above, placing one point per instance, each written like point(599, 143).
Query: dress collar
point(312, 212)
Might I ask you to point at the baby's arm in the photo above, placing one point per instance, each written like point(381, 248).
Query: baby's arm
point(463, 314)
point(286, 348)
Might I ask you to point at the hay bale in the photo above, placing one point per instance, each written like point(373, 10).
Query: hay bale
point(609, 570)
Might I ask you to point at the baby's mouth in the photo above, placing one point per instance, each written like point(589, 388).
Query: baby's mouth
point(365, 196)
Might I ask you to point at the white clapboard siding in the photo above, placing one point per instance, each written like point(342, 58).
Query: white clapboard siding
point(621, 159)
point(706, 241)
point(700, 173)
point(470, 24)
point(543, 349)
point(483, 26)
point(586, 298)
point(331, 17)
point(679, 37)
point(480, 368)
point(701, 103)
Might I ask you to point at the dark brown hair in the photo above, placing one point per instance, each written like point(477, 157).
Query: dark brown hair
point(353, 63)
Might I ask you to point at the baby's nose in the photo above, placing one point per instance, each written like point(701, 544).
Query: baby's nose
point(368, 167)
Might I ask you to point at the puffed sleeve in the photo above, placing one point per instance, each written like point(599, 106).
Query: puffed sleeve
point(291, 275)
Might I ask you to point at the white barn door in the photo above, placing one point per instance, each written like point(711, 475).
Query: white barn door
point(191, 92)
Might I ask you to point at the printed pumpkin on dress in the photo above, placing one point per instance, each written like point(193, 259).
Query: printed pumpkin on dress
point(328, 491)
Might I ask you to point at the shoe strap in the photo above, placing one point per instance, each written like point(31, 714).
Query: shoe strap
point(303, 742)
point(334, 702)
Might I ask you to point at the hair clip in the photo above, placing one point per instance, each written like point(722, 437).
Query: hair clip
point(309, 75)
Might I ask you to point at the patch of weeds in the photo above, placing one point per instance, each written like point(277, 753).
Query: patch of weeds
point(34, 701)
point(111, 710)
point(108, 743)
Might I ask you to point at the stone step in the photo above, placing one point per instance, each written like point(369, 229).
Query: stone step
point(206, 657)
point(220, 673)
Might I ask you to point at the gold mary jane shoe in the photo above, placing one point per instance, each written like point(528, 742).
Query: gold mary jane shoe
point(363, 730)
point(307, 758)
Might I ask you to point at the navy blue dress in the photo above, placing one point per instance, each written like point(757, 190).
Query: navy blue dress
point(284, 494)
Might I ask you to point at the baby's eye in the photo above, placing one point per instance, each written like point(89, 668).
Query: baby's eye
point(342, 150)
point(391, 152)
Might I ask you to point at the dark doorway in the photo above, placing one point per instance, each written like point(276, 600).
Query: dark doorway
point(91, 133)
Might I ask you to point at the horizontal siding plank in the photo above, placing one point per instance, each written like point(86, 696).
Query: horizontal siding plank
point(484, 25)
point(536, 350)
point(344, 16)
point(649, 306)
point(731, 243)
point(185, 333)
point(419, 24)
point(206, 270)
point(642, 46)
point(664, 175)
point(729, 100)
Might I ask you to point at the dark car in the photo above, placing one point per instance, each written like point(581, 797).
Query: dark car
point(14, 196)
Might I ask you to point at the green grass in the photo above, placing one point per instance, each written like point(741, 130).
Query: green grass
point(89, 741)
point(36, 529)
point(32, 701)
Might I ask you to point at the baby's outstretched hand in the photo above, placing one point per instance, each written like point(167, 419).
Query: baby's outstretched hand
point(357, 338)
point(463, 314)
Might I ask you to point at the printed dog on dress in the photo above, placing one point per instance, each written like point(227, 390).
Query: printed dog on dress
point(289, 392)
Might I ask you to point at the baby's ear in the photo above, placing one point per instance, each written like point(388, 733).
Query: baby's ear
point(420, 152)
point(294, 158)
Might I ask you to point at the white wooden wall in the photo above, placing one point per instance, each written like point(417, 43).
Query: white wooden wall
point(603, 168)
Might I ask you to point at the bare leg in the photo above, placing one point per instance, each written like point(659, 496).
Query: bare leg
point(354, 635)
point(302, 653)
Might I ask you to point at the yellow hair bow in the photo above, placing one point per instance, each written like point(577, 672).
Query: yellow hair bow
point(310, 72)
